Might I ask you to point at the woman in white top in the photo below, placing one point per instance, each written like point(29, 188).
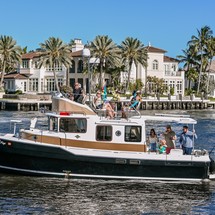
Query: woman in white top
point(152, 141)
point(98, 100)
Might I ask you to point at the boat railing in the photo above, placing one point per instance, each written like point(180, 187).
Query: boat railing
point(126, 114)
point(173, 115)
point(15, 122)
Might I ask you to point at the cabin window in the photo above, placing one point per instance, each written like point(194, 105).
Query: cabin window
point(132, 133)
point(73, 125)
point(53, 123)
point(104, 133)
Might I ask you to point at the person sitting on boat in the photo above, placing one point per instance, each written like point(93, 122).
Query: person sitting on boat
point(116, 99)
point(78, 93)
point(109, 110)
point(135, 100)
point(162, 147)
point(186, 140)
point(152, 141)
point(98, 100)
point(170, 137)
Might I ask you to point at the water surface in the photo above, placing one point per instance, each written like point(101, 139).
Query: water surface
point(40, 195)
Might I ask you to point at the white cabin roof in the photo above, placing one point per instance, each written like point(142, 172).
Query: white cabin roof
point(177, 119)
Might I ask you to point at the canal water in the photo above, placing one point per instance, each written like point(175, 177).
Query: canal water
point(40, 195)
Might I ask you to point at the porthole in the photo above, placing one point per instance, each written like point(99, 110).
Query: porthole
point(118, 133)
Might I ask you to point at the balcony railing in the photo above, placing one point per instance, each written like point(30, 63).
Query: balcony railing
point(172, 73)
point(25, 71)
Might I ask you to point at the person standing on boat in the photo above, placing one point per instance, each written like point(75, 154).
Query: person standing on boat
point(186, 140)
point(104, 92)
point(170, 138)
point(78, 93)
point(135, 100)
point(152, 141)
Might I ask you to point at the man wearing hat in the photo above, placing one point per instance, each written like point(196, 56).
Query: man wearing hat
point(170, 138)
point(186, 140)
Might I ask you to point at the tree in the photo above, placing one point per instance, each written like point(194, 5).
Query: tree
point(10, 54)
point(136, 85)
point(191, 75)
point(188, 57)
point(104, 49)
point(115, 76)
point(200, 41)
point(133, 51)
point(56, 53)
point(156, 85)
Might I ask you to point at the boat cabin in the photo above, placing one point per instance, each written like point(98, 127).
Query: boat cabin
point(76, 125)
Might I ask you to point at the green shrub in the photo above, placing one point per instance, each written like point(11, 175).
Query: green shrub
point(18, 92)
point(172, 91)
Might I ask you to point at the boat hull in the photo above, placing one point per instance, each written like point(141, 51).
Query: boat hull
point(44, 160)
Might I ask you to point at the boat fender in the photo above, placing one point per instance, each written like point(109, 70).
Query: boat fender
point(198, 153)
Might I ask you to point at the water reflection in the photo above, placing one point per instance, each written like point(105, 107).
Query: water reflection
point(23, 195)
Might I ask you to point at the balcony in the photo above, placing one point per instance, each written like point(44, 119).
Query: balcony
point(173, 73)
point(25, 71)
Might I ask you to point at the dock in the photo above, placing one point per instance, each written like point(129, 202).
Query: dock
point(146, 104)
point(174, 104)
point(25, 104)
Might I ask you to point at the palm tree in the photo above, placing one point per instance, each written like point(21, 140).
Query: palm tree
point(188, 57)
point(133, 51)
point(191, 75)
point(56, 53)
point(104, 49)
point(10, 54)
point(200, 42)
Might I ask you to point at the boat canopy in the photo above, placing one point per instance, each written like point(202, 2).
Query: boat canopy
point(60, 104)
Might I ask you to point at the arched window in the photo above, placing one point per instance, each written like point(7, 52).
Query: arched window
point(80, 66)
point(155, 65)
point(72, 68)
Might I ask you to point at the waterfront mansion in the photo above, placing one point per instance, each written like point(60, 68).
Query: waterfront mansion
point(31, 79)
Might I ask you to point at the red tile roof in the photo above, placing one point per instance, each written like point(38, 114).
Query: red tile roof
point(31, 55)
point(77, 54)
point(169, 59)
point(15, 75)
point(156, 50)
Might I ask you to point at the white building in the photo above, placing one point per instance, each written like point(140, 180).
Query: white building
point(41, 80)
point(212, 79)
point(15, 81)
point(160, 66)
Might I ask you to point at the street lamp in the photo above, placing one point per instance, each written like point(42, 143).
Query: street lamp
point(86, 54)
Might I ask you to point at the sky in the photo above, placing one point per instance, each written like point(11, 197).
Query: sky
point(166, 24)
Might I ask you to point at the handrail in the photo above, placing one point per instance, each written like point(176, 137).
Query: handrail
point(172, 115)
